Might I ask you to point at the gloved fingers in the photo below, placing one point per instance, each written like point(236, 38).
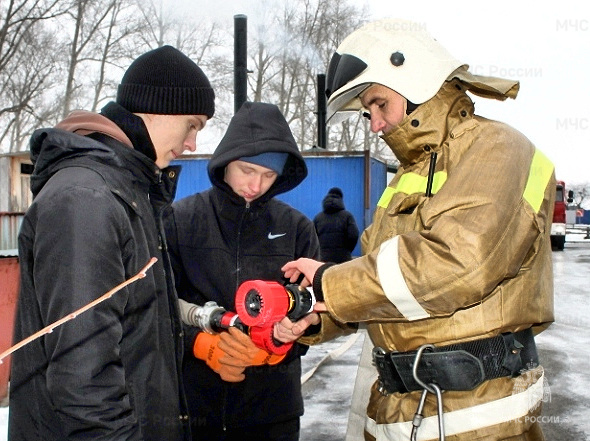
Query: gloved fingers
point(275, 359)
point(237, 344)
point(241, 338)
point(230, 373)
point(232, 352)
point(228, 360)
point(206, 348)
point(262, 357)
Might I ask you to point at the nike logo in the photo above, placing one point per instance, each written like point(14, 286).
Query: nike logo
point(274, 236)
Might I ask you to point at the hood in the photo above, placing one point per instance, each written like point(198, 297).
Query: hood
point(83, 123)
point(67, 144)
point(258, 128)
point(332, 204)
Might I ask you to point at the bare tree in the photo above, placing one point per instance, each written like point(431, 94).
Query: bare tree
point(19, 19)
point(26, 87)
point(293, 46)
point(94, 41)
point(202, 40)
point(26, 65)
point(581, 194)
point(56, 55)
point(88, 17)
point(110, 48)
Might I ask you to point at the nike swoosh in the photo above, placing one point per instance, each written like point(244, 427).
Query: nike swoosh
point(274, 236)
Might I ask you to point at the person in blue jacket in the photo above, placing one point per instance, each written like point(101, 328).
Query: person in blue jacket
point(233, 232)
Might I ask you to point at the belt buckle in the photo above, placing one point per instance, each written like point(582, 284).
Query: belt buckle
point(378, 355)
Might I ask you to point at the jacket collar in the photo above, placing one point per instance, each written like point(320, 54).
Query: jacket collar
point(161, 184)
point(425, 129)
point(231, 206)
point(54, 149)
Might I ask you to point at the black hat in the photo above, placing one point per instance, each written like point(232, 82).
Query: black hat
point(165, 81)
point(335, 191)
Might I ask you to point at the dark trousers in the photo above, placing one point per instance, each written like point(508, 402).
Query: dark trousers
point(283, 431)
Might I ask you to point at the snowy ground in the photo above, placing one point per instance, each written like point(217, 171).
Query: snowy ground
point(563, 350)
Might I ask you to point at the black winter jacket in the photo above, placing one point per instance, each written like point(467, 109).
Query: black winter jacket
point(217, 241)
point(336, 229)
point(113, 372)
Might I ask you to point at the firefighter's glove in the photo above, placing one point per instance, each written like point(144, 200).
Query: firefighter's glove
point(207, 348)
point(242, 352)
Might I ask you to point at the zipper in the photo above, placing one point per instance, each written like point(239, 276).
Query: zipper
point(226, 387)
point(430, 174)
point(238, 266)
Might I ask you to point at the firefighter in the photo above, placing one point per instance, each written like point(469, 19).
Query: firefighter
point(456, 273)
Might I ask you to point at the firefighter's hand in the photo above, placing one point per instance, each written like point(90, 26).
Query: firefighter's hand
point(303, 265)
point(242, 352)
point(287, 331)
point(207, 348)
point(320, 307)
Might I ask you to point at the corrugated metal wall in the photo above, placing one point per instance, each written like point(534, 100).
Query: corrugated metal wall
point(361, 182)
point(9, 226)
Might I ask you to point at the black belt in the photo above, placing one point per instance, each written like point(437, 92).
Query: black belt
point(461, 366)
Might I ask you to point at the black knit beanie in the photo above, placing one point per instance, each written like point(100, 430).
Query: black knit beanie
point(165, 81)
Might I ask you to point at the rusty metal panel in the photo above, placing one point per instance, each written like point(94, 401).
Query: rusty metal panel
point(9, 284)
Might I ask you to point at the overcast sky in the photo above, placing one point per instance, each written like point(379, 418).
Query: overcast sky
point(544, 46)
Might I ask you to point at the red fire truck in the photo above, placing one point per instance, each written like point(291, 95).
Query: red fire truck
point(558, 226)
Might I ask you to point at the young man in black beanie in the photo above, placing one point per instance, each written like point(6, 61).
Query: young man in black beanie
point(100, 184)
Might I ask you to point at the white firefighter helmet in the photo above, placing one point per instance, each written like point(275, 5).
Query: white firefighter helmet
point(396, 53)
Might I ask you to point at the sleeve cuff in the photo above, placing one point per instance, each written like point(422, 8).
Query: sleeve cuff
point(317, 281)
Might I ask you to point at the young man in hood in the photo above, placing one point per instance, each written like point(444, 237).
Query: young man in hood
point(336, 228)
point(456, 274)
point(101, 183)
point(234, 232)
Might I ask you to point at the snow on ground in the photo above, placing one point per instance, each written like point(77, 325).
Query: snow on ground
point(563, 350)
point(3, 423)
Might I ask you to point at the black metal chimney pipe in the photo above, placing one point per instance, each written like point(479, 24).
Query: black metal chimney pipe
point(322, 111)
point(240, 60)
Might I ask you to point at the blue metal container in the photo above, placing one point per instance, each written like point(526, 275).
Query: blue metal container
point(361, 178)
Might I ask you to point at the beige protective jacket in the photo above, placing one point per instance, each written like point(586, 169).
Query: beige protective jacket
point(471, 261)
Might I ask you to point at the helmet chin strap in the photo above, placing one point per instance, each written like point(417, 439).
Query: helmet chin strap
point(410, 107)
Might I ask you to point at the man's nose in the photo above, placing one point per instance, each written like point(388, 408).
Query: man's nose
point(377, 124)
point(255, 183)
point(191, 144)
